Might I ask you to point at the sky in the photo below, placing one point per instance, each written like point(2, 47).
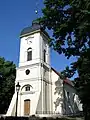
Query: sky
point(14, 16)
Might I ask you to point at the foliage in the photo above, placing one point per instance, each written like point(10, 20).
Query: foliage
point(7, 78)
point(70, 22)
point(82, 82)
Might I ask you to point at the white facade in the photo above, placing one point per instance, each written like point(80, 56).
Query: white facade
point(39, 90)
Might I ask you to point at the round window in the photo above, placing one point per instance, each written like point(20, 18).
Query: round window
point(27, 71)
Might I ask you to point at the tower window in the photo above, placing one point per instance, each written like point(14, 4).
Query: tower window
point(29, 54)
point(44, 55)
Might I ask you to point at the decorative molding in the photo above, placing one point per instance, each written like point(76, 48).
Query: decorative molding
point(27, 34)
point(27, 66)
point(30, 79)
point(27, 92)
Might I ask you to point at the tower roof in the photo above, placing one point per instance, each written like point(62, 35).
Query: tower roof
point(35, 26)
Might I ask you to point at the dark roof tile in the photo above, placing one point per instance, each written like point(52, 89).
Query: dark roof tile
point(35, 26)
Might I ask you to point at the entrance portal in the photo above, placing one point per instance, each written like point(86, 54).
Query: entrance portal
point(27, 107)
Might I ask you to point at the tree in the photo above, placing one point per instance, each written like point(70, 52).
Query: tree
point(82, 82)
point(7, 78)
point(69, 21)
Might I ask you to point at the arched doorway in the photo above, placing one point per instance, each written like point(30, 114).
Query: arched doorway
point(27, 107)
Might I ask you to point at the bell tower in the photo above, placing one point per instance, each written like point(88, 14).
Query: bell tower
point(33, 73)
point(34, 46)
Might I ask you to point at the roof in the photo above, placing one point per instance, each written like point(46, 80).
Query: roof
point(67, 81)
point(35, 26)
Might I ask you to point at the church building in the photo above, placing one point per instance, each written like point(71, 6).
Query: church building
point(42, 92)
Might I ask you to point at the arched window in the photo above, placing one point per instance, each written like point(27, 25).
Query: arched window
point(44, 55)
point(27, 87)
point(29, 54)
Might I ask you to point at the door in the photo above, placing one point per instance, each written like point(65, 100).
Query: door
point(27, 107)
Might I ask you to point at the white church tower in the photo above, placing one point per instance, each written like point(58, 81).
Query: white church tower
point(33, 74)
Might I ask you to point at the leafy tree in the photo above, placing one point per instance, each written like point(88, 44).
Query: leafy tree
point(7, 78)
point(82, 82)
point(69, 21)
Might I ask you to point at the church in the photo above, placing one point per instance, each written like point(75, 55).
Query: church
point(42, 92)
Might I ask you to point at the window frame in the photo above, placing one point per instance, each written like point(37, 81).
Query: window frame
point(44, 56)
point(29, 54)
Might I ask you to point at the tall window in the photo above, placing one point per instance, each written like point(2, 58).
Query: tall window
point(29, 54)
point(68, 96)
point(44, 55)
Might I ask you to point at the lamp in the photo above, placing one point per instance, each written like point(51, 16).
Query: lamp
point(17, 90)
point(17, 87)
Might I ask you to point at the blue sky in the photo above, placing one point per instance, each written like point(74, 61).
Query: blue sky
point(14, 16)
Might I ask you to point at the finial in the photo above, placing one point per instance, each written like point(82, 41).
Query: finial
point(36, 8)
point(36, 11)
